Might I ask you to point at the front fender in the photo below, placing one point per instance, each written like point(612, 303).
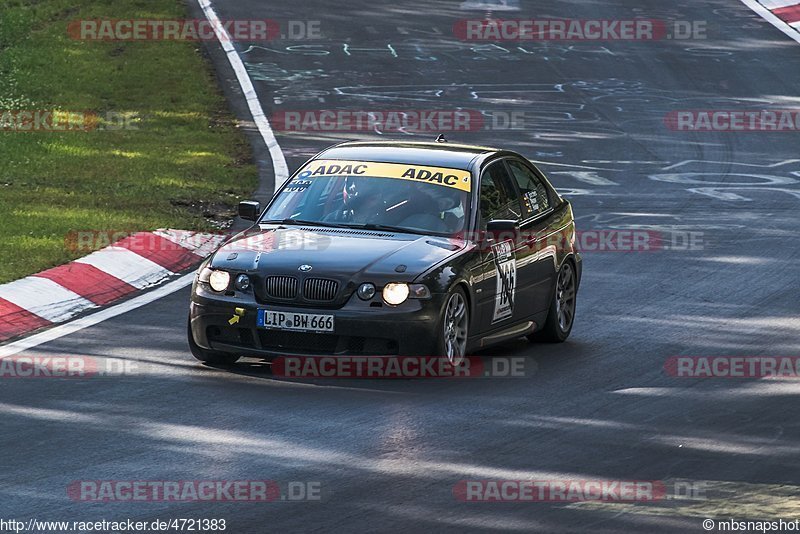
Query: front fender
point(457, 270)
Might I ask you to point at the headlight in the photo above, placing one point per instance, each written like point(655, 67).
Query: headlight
point(395, 293)
point(419, 291)
point(219, 280)
point(366, 291)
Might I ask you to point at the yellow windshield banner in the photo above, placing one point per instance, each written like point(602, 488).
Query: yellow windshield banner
point(455, 178)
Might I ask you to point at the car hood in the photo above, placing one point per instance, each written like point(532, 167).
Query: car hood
point(346, 254)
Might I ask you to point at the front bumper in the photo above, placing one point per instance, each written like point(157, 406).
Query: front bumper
point(409, 329)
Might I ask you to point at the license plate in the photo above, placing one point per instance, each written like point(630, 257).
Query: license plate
point(298, 322)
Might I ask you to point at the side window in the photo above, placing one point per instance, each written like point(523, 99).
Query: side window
point(532, 189)
point(498, 198)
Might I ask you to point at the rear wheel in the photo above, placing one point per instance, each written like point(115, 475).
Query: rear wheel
point(208, 356)
point(559, 321)
point(454, 328)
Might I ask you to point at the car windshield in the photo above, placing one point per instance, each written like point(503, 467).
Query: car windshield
point(422, 200)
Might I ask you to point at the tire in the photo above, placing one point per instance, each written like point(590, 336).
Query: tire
point(208, 356)
point(454, 328)
point(561, 315)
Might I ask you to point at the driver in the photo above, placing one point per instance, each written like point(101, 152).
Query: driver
point(413, 205)
point(436, 207)
point(363, 199)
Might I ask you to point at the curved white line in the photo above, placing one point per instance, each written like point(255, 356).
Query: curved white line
point(767, 15)
point(224, 38)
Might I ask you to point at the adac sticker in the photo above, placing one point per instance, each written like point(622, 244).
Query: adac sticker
point(506, 287)
point(443, 176)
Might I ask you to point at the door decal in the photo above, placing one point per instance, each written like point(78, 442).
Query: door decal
point(506, 266)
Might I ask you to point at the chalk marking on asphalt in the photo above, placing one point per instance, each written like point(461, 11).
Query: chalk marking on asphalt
point(553, 164)
point(770, 17)
point(278, 160)
point(759, 165)
point(95, 318)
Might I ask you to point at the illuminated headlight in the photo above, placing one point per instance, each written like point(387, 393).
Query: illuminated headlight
point(242, 282)
point(366, 291)
point(395, 293)
point(219, 280)
point(398, 292)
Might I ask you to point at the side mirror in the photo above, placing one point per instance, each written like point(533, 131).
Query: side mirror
point(249, 210)
point(502, 230)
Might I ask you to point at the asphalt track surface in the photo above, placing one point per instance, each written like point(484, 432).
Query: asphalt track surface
point(389, 453)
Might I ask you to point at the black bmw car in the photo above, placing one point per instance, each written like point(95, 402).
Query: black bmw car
point(392, 248)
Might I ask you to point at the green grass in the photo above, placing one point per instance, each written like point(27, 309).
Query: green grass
point(185, 158)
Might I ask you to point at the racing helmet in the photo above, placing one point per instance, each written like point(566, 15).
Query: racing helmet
point(358, 188)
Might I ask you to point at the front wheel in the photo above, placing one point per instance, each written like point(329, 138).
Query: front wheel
point(208, 356)
point(454, 328)
point(559, 321)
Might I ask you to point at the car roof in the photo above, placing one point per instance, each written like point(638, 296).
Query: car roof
point(444, 154)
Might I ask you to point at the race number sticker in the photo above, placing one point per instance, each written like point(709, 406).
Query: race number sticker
point(297, 186)
point(506, 264)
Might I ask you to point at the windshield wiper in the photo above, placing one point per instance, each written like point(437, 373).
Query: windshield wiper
point(300, 222)
point(385, 228)
point(364, 226)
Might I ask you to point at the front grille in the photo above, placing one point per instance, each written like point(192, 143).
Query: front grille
point(282, 287)
point(326, 344)
point(277, 340)
point(320, 289)
point(232, 336)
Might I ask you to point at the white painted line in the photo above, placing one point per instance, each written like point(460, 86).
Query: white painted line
point(777, 4)
point(95, 318)
point(767, 15)
point(128, 266)
point(489, 5)
point(200, 243)
point(44, 298)
point(278, 159)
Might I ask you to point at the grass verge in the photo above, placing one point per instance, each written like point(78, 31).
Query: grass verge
point(166, 152)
